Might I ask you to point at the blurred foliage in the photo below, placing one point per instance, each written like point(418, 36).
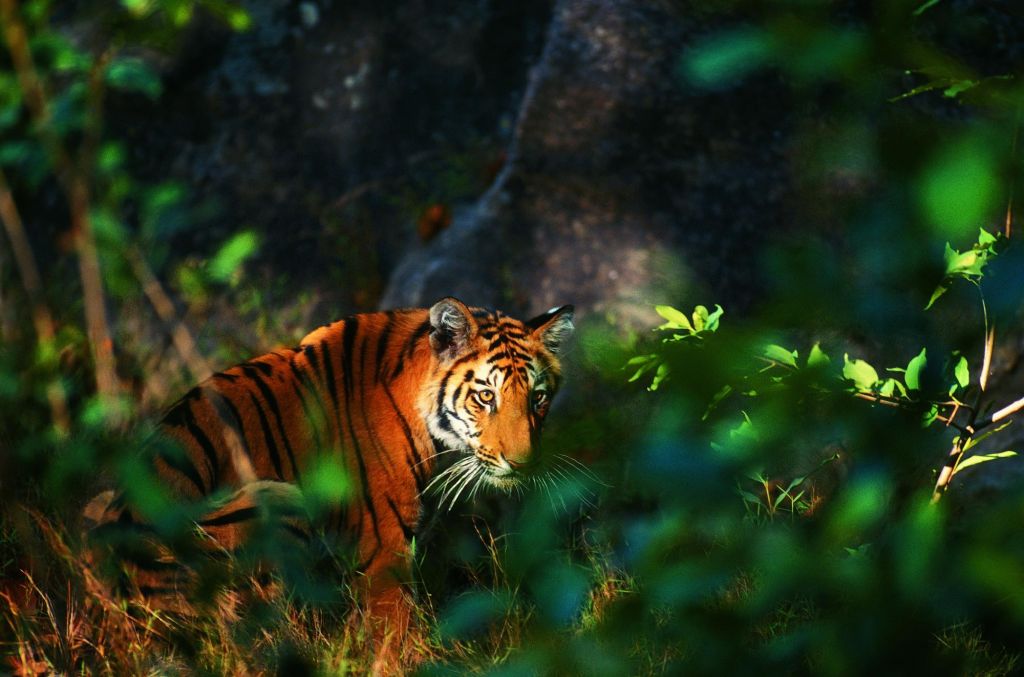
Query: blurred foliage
point(770, 506)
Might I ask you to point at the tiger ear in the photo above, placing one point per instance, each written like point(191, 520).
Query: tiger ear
point(553, 328)
point(452, 327)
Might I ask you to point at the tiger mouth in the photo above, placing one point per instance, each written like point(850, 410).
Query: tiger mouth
point(505, 480)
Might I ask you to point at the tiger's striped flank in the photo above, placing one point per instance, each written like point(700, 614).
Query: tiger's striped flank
point(449, 398)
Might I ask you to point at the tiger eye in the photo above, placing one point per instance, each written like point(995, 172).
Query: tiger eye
point(485, 396)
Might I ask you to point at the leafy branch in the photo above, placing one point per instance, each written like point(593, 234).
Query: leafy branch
point(903, 388)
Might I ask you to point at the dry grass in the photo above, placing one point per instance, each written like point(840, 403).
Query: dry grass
point(57, 616)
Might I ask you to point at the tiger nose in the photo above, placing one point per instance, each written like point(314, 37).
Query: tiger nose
point(523, 464)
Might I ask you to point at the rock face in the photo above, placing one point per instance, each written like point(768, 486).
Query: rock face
point(330, 124)
point(614, 187)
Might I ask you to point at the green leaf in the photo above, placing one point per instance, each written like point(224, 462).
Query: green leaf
point(958, 87)
point(914, 369)
point(862, 374)
point(660, 375)
point(985, 238)
point(968, 263)
point(711, 323)
point(645, 362)
point(961, 372)
point(817, 357)
point(887, 388)
point(700, 318)
point(978, 459)
point(977, 439)
point(939, 291)
point(676, 319)
point(231, 256)
point(779, 354)
point(133, 74)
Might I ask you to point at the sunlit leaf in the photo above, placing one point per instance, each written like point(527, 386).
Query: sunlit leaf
point(978, 459)
point(700, 317)
point(961, 372)
point(862, 374)
point(232, 254)
point(914, 369)
point(676, 319)
point(781, 355)
point(818, 358)
point(659, 375)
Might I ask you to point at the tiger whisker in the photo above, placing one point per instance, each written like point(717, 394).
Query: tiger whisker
point(551, 499)
point(433, 456)
point(462, 469)
point(582, 468)
point(476, 487)
point(445, 476)
point(581, 493)
point(470, 476)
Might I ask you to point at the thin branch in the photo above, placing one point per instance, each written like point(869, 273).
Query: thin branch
point(956, 453)
point(986, 362)
point(185, 344)
point(161, 301)
point(42, 319)
point(75, 183)
point(1005, 412)
point(900, 404)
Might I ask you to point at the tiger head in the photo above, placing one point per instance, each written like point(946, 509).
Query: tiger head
point(492, 388)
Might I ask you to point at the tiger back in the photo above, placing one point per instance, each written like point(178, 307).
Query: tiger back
point(448, 397)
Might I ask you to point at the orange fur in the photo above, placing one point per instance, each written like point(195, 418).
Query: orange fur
point(385, 393)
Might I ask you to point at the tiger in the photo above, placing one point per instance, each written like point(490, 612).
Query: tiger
point(404, 398)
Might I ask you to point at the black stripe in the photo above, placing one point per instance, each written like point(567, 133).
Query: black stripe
point(156, 590)
point(367, 425)
point(407, 531)
point(410, 346)
point(382, 345)
point(221, 401)
point(184, 466)
point(303, 378)
point(181, 416)
point(417, 468)
point(207, 446)
point(262, 366)
point(369, 560)
point(271, 400)
point(441, 389)
point(348, 338)
point(226, 377)
point(309, 350)
point(275, 458)
point(456, 393)
point(233, 517)
point(296, 532)
point(332, 381)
